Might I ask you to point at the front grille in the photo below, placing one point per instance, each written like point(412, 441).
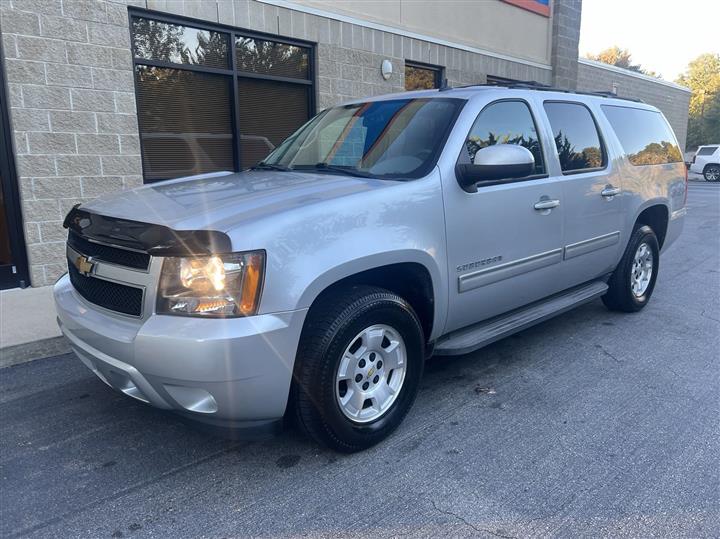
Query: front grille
point(112, 296)
point(107, 253)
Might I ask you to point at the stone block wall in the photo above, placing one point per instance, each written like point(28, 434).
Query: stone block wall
point(565, 39)
point(349, 55)
point(72, 109)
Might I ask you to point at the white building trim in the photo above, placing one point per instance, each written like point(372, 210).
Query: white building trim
point(635, 74)
point(406, 33)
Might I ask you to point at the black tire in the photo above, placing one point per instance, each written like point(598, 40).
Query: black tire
point(620, 296)
point(712, 171)
point(330, 327)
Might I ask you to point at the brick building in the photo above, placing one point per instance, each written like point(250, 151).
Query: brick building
point(98, 96)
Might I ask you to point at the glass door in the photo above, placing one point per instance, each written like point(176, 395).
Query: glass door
point(13, 260)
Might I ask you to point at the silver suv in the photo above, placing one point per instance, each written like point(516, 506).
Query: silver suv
point(316, 284)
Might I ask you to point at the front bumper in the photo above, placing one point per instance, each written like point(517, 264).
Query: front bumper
point(230, 372)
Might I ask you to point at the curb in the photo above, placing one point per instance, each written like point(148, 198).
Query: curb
point(23, 353)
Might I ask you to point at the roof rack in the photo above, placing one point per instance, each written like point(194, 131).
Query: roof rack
point(534, 85)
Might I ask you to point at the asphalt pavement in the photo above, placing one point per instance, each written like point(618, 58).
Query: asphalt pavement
point(594, 423)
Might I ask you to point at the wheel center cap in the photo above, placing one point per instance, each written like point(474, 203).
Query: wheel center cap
point(371, 371)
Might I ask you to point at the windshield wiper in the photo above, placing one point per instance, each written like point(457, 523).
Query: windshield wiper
point(270, 166)
point(350, 171)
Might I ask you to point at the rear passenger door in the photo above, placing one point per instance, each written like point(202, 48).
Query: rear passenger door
point(591, 192)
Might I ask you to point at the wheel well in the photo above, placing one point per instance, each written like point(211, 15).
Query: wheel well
point(409, 280)
point(709, 165)
point(656, 217)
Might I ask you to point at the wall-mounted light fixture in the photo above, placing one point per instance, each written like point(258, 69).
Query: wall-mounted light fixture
point(386, 69)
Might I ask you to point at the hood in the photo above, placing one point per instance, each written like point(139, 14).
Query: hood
point(221, 201)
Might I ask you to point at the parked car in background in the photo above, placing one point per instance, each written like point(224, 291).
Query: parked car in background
point(706, 161)
point(382, 231)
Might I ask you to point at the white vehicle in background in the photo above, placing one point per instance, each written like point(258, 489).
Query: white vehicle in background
point(707, 162)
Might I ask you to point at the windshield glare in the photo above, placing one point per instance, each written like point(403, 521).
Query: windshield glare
point(399, 138)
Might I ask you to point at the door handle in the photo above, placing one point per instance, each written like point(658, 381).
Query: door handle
point(546, 204)
point(610, 191)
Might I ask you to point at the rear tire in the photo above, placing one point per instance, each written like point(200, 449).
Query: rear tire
point(712, 173)
point(342, 393)
point(633, 281)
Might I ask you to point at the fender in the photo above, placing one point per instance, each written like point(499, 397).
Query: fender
point(632, 217)
point(377, 260)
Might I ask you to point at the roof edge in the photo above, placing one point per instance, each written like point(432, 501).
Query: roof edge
point(616, 69)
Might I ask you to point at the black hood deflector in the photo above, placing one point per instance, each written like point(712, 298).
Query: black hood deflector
point(156, 240)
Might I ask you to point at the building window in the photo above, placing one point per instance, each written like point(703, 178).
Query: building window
point(576, 136)
point(211, 98)
point(422, 76)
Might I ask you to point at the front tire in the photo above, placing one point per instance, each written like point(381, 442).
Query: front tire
point(358, 367)
point(633, 281)
point(712, 173)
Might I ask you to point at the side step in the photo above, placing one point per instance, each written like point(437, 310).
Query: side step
point(476, 336)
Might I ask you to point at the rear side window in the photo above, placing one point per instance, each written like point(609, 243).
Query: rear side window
point(707, 150)
point(644, 135)
point(506, 122)
point(576, 136)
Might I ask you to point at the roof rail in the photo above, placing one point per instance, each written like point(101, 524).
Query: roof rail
point(534, 85)
point(605, 93)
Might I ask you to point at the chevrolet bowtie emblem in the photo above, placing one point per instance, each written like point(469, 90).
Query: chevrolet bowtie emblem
point(84, 265)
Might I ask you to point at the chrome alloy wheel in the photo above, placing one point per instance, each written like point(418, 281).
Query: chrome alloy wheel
point(642, 270)
point(712, 174)
point(371, 373)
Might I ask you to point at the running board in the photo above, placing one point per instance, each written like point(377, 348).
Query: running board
point(476, 336)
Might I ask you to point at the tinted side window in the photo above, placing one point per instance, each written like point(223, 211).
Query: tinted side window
point(506, 122)
point(576, 136)
point(644, 135)
point(707, 150)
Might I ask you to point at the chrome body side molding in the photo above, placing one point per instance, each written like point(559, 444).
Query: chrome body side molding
point(593, 244)
point(476, 279)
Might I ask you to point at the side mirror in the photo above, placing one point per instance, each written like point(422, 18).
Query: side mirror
point(494, 163)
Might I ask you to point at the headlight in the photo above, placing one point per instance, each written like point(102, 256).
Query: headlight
point(213, 286)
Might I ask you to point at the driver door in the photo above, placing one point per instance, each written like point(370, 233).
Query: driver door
point(503, 251)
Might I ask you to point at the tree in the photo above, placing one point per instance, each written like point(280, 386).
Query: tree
point(621, 58)
point(703, 78)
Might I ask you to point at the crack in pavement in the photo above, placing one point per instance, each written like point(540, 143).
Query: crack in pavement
point(461, 519)
point(604, 351)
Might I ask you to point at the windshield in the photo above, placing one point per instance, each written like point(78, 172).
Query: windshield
point(398, 138)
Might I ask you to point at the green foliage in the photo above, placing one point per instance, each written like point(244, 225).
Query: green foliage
point(621, 58)
point(703, 78)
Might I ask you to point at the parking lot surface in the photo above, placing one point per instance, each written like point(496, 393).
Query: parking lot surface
point(594, 423)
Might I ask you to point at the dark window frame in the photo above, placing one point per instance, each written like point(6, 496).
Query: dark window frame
point(231, 72)
point(463, 156)
point(20, 276)
point(601, 139)
point(438, 70)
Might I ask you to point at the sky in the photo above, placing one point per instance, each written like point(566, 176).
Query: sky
point(662, 35)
